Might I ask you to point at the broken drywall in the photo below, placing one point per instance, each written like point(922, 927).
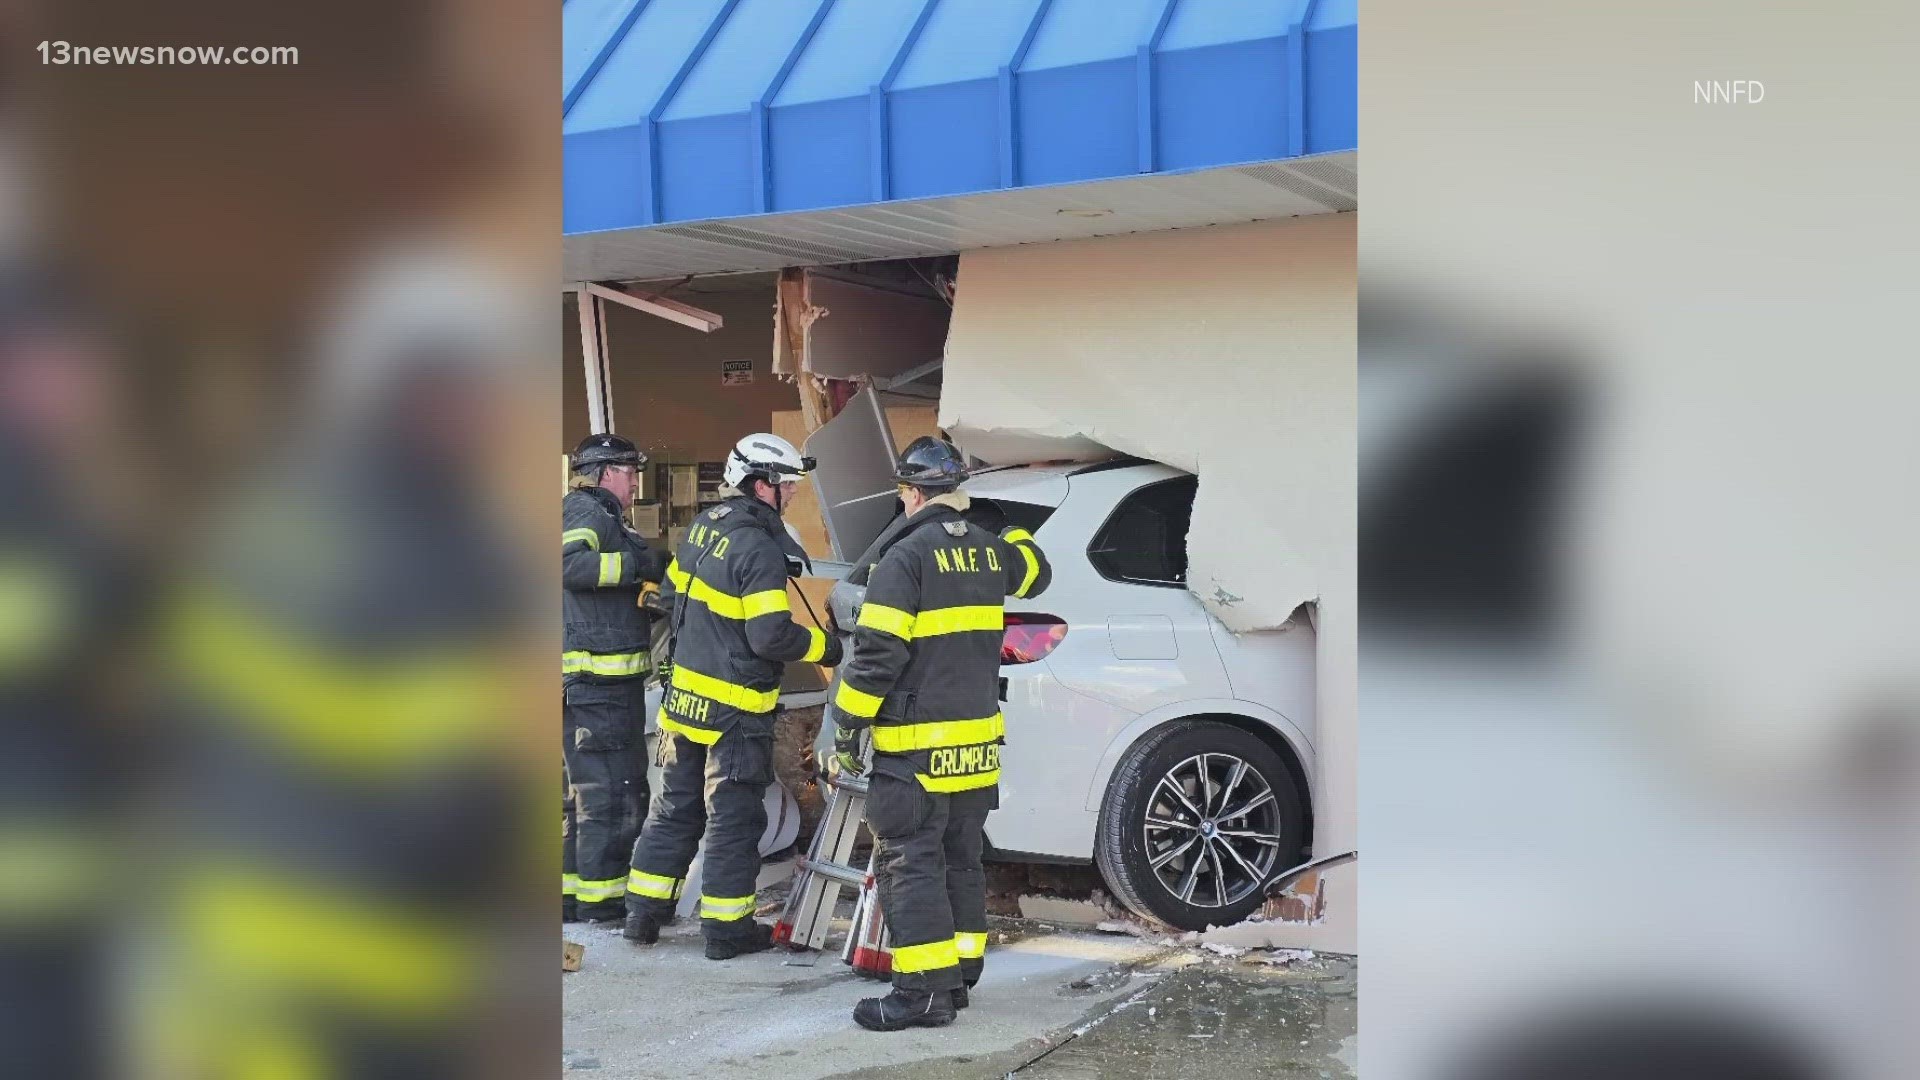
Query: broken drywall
point(1225, 351)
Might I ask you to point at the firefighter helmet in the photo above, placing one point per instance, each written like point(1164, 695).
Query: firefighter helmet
point(764, 457)
point(604, 448)
point(931, 463)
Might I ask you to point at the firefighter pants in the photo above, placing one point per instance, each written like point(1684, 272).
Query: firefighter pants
point(605, 752)
point(932, 888)
point(718, 790)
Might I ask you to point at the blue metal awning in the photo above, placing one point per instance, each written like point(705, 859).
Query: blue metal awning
point(694, 110)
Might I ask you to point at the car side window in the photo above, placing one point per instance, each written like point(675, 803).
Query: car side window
point(1145, 539)
point(998, 515)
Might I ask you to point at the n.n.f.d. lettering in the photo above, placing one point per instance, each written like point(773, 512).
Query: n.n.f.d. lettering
point(958, 560)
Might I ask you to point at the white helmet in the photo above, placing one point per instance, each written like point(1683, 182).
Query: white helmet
point(764, 457)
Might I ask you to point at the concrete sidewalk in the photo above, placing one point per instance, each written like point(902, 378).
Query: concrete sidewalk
point(639, 1013)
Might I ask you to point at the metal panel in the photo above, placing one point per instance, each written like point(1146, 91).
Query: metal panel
point(1199, 23)
point(685, 110)
point(746, 53)
point(854, 477)
point(590, 31)
point(966, 40)
point(641, 65)
point(851, 50)
point(1084, 31)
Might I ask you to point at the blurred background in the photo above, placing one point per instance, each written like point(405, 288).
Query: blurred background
point(274, 662)
point(1637, 546)
point(1638, 790)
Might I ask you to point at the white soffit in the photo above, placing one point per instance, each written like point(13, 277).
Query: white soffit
point(909, 229)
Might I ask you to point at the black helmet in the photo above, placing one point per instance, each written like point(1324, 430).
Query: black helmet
point(931, 463)
point(602, 449)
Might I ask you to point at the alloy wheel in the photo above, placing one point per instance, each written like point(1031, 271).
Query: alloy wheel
point(1212, 830)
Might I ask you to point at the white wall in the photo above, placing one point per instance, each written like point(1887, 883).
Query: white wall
point(1227, 351)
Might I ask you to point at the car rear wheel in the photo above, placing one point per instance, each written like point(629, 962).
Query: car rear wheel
point(1196, 818)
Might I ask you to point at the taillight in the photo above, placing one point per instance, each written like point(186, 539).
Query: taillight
point(1030, 637)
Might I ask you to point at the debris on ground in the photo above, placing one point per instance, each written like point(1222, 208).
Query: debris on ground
point(1280, 956)
point(571, 953)
point(1053, 909)
point(1215, 1017)
point(1133, 927)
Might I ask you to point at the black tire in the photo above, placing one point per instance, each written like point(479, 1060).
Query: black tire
point(1182, 753)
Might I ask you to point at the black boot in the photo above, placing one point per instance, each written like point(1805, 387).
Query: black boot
point(641, 928)
point(754, 937)
point(607, 911)
point(904, 1009)
point(569, 910)
point(959, 998)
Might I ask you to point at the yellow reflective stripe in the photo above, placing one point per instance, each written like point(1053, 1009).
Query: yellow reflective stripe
point(585, 536)
point(725, 908)
point(1026, 552)
point(722, 604)
point(569, 884)
point(308, 936)
point(949, 784)
point(703, 736)
point(370, 711)
point(594, 892)
point(932, 956)
point(754, 605)
point(856, 702)
point(1014, 536)
point(817, 646)
point(641, 883)
point(890, 620)
point(906, 738)
point(740, 697)
point(970, 946)
point(678, 576)
point(611, 665)
point(957, 620)
point(610, 567)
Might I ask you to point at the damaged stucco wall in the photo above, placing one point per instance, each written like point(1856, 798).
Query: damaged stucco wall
point(1227, 351)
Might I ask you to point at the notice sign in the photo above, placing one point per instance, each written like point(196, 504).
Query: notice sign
point(736, 373)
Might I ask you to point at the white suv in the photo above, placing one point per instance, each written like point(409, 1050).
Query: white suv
point(1142, 736)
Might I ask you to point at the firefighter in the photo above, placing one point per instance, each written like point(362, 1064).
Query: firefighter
point(924, 676)
point(733, 635)
point(603, 669)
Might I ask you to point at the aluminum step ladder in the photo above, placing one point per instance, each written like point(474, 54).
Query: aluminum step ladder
point(828, 870)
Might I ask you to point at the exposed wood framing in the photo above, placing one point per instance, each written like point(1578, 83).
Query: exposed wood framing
point(672, 310)
point(791, 324)
point(592, 355)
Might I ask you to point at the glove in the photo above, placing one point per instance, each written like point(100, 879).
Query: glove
point(844, 758)
point(835, 653)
